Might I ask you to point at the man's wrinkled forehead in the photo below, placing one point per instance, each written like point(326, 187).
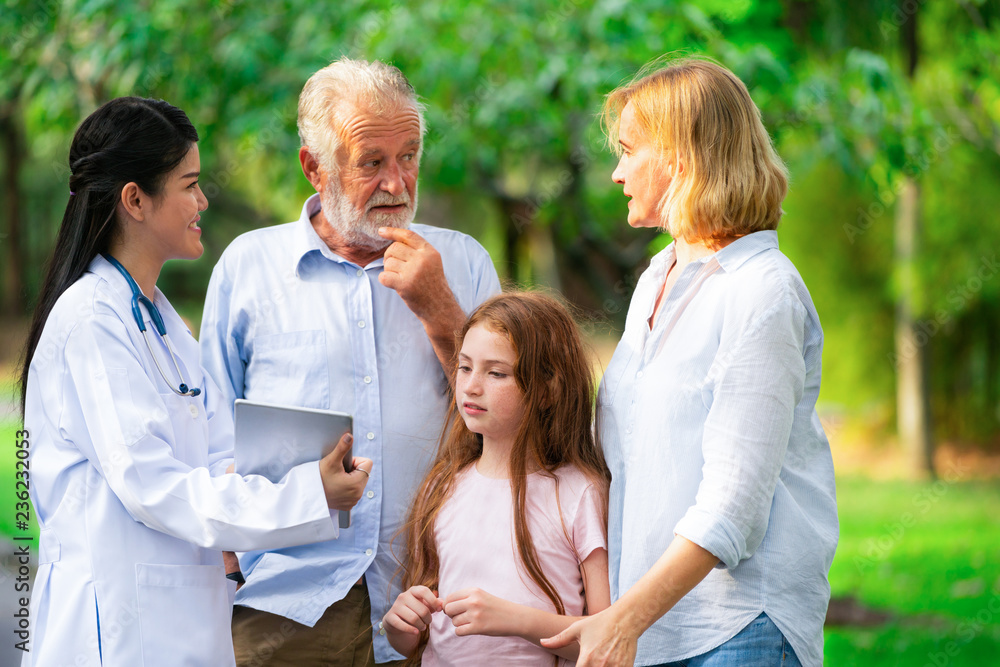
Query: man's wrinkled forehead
point(363, 129)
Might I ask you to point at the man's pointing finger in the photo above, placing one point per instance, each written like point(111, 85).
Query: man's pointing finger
point(404, 236)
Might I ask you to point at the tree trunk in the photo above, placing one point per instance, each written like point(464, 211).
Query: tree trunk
point(13, 303)
point(912, 358)
point(517, 216)
point(912, 390)
point(544, 263)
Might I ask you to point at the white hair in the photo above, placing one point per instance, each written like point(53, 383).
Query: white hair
point(342, 87)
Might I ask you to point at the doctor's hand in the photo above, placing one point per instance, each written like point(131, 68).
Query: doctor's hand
point(343, 489)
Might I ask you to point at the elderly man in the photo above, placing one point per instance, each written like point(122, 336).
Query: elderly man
point(350, 309)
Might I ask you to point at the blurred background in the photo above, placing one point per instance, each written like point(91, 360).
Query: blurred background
point(886, 111)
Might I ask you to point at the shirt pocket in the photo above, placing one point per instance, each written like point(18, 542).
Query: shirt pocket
point(184, 613)
point(290, 369)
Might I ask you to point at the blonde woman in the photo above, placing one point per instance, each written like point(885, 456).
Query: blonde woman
point(722, 518)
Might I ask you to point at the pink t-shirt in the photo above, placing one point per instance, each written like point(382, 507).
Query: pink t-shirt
point(476, 549)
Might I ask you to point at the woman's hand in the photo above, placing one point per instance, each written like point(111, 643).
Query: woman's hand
point(475, 612)
point(410, 615)
point(609, 638)
point(343, 489)
point(605, 640)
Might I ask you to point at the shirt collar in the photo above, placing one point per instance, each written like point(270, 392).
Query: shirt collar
point(733, 256)
point(113, 277)
point(309, 247)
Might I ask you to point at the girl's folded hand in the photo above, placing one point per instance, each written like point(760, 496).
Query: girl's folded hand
point(473, 611)
point(411, 612)
point(410, 615)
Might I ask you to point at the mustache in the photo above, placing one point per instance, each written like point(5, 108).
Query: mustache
point(383, 198)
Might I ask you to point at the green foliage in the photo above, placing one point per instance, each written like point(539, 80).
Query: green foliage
point(514, 154)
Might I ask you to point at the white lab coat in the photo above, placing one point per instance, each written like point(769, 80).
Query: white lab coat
point(128, 483)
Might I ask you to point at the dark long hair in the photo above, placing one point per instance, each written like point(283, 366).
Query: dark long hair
point(127, 140)
point(554, 373)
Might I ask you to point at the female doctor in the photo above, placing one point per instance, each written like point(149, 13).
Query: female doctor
point(129, 438)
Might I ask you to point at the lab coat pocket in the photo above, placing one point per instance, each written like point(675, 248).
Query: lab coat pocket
point(184, 614)
point(189, 429)
point(290, 369)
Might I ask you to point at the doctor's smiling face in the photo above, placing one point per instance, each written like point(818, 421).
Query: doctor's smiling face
point(171, 222)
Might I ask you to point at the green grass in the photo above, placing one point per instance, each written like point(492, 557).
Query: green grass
point(8, 497)
point(929, 554)
point(8, 465)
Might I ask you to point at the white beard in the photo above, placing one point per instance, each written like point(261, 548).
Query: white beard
point(360, 229)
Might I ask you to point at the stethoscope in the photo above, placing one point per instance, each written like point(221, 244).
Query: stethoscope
point(154, 316)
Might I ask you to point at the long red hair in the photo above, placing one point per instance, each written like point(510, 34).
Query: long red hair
point(553, 372)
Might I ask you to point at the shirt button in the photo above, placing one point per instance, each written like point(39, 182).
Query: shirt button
point(193, 409)
point(361, 324)
point(639, 374)
point(368, 379)
point(628, 430)
point(381, 631)
point(360, 273)
point(370, 436)
point(371, 494)
point(368, 552)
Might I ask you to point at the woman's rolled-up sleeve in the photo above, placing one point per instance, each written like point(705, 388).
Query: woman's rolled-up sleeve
point(754, 386)
point(128, 435)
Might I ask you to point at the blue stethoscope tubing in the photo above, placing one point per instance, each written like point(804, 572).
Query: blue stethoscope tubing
point(154, 315)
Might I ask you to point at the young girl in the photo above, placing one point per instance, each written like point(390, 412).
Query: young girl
point(507, 539)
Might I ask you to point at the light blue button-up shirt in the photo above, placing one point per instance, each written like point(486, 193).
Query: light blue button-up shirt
point(709, 427)
point(288, 321)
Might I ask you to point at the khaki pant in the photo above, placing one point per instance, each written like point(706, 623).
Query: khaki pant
point(341, 638)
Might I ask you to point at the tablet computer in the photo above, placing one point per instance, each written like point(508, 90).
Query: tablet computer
point(273, 439)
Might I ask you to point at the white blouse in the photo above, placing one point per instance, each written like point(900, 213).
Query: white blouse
point(709, 426)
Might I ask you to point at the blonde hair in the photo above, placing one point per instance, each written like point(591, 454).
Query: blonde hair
point(728, 179)
point(345, 86)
